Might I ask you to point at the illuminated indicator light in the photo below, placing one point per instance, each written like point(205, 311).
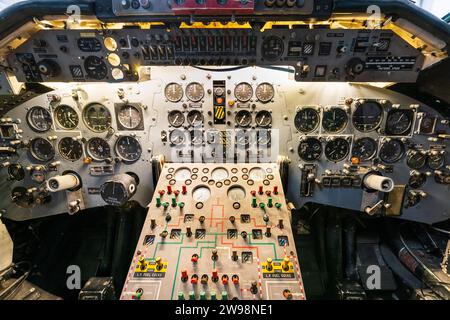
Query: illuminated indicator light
point(355, 160)
point(87, 160)
point(231, 103)
point(219, 100)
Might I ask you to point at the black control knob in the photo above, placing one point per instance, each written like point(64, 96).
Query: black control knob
point(355, 67)
point(49, 68)
point(119, 189)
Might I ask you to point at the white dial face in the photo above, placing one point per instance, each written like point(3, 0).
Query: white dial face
point(182, 174)
point(236, 193)
point(195, 91)
point(243, 92)
point(174, 92)
point(129, 117)
point(257, 174)
point(219, 174)
point(201, 194)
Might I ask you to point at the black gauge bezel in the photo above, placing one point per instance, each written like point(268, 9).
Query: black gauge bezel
point(335, 141)
point(392, 131)
point(310, 141)
point(31, 122)
point(372, 142)
point(374, 126)
point(85, 117)
point(62, 153)
point(316, 122)
point(397, 159)
point(33, 152)
point(121, 156)
point(95, 157)
point(343, 126)
point(57, 120)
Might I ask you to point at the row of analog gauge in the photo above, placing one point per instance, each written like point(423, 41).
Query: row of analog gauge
point(127, 148)
point(243, 118)
point(243, 92)
point(365, 149)
point(95, 116)
point(367, 117)
point(242, 138)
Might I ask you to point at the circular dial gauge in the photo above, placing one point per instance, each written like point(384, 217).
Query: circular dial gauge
point(334, 120)
point(197, 137)
point(307, 120)
point(128, 149)
point(243, 92)
point(368, 116)
point(177, 137)
point(392, 151)
point(219, 174)
point(66, 117)
point(399, 122)
point(42, 150)
point(175, 118)
point(97, 117)
point(257, 174)
point(39, 119)
point(416, 159)
point(95, 68)
point(263, 119)
point(265, 92)
point(173, 92)
point(236, 194)
point(195, 118)
point(70, 149)
point(436, 160)
point(201, 194)
point(337, 150)
point(310, 149)
point(129, 117)
point(243, 118)
point(182, 174)
point(98, 149)
point(364, 149)
point(195, 91)
point(272, 48)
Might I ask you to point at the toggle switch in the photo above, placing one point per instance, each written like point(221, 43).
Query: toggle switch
point(180, 295)
point(142, 263)
point(275, 190)
point(286, 264)
point(235, 279)
point(213, 295)
point(183, 190)
point(194, 258)
point(191, 295)
point(204, 279)
point(254, 288)
point(214, 256)
point(169, 189)
point(184, 275)
point(174, 202)
point(188, 232)
point(261, 191)
point(152, 223)
point(194, 279)
point(224, 295)
point(225, 280)
point(269, 202)
point(269, 264)
point(158, 202)
point(159, 263)
point(244, 234)
point(203, 295)
point(254, 204)
point(280, 224)
point(234, 256)
point(215, 275)
point(268, 233)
